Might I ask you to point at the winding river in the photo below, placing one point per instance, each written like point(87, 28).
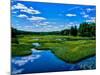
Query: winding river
point(46, 61)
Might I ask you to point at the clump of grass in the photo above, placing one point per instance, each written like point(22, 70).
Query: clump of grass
point(72, 51)
point(21, 49)
point(77, 52)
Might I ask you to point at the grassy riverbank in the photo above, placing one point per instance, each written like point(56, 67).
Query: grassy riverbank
point(68, 48)
point(21, 49)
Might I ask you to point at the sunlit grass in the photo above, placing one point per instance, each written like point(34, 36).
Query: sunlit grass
point(72, 51)
point(68, 48)
point(21, 49)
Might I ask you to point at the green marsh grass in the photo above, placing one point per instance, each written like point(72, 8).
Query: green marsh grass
point(68, 48)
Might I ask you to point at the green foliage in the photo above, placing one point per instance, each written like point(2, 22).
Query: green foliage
point(14, 36)
point(15, 40)
point(65, 32)
point(87, 29)
point(72, 51)
point(21, 49)
point(68, 48)
point(73, 31)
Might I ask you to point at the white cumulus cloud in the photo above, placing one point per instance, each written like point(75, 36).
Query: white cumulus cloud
point(35, 18)
point(92, 19)
point(70, 15)
point(85, 16)
point(25, 9)
point(22, 16)
point(19, 6)
point(90, 9)
point(30, 11)
point(44, 23)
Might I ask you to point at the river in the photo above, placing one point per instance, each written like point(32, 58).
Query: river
point(46, 61)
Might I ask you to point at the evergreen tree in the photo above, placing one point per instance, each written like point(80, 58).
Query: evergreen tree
point(73, 31)
point(87, 29)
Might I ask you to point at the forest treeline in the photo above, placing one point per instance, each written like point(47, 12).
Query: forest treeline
point(84, 30)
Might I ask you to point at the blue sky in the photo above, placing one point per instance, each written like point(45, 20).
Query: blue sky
point(46, 17)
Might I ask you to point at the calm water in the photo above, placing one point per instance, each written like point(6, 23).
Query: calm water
point(46, 61)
